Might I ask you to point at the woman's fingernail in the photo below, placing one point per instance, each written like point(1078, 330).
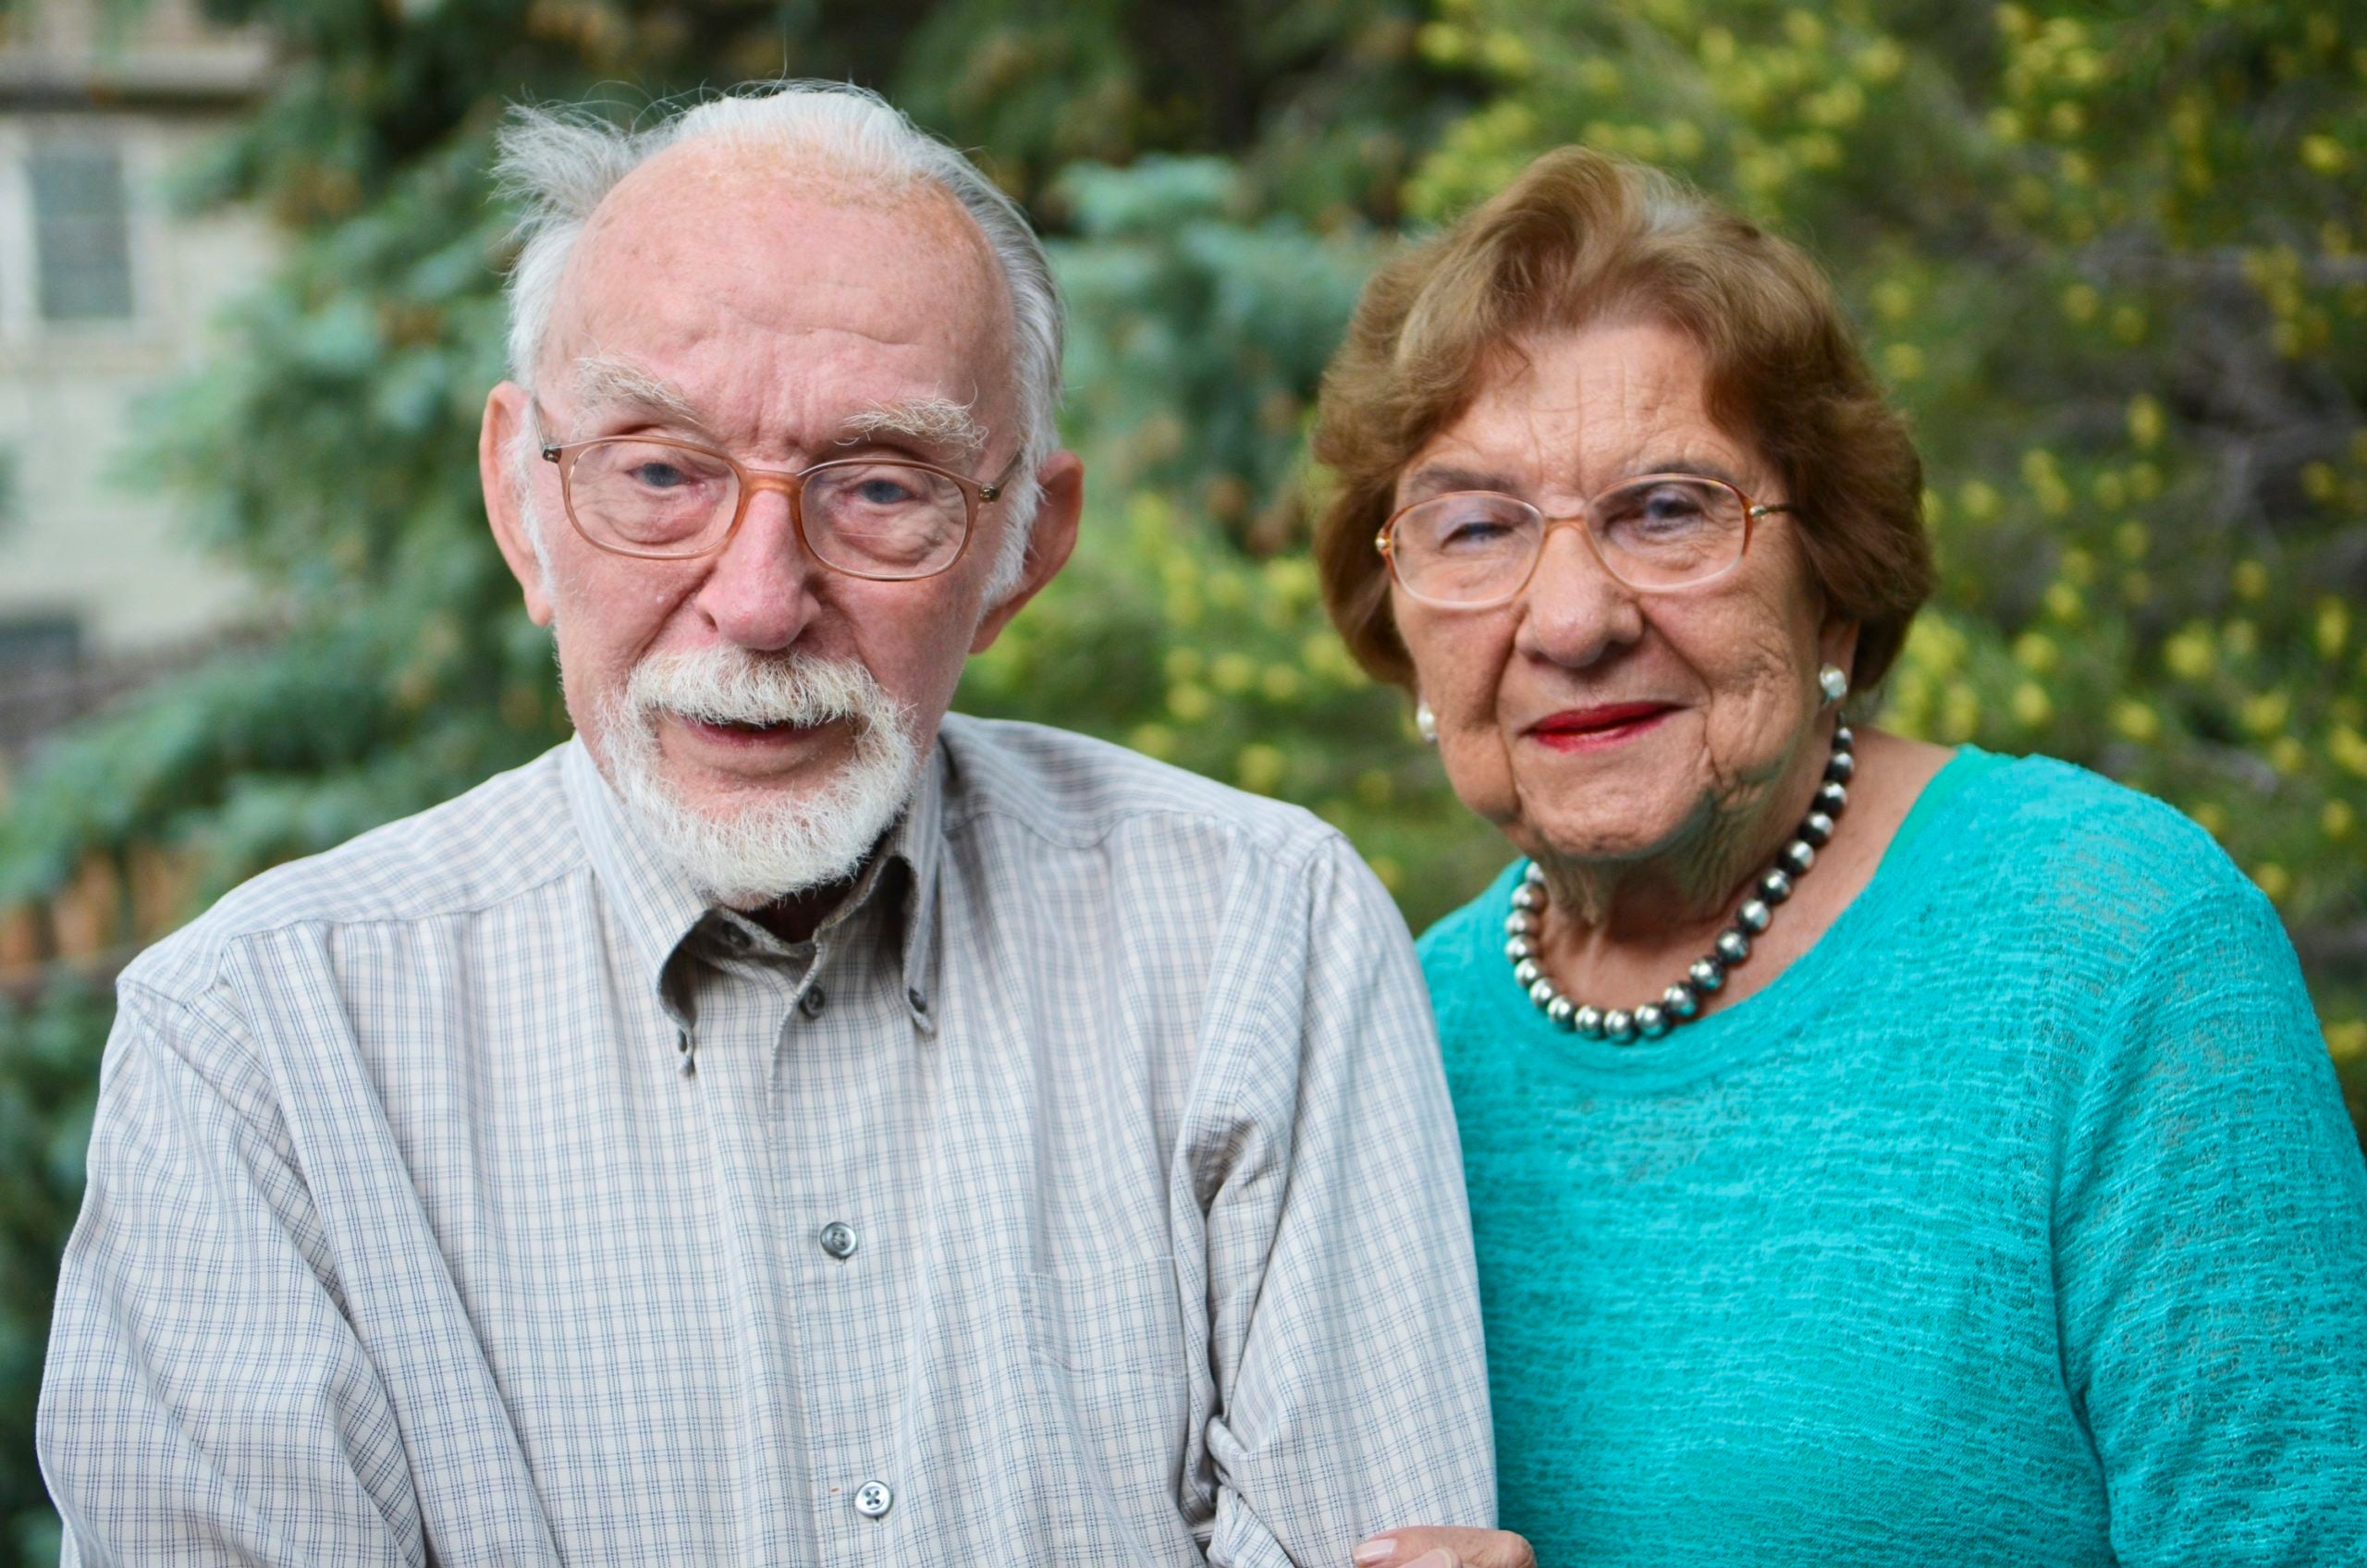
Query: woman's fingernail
point(1380, 1548)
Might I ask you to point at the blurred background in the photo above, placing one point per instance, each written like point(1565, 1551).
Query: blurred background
point(2112, 258)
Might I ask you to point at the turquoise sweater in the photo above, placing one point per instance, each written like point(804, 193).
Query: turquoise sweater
point(2016, 1222)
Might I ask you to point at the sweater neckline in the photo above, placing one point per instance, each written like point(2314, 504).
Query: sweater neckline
point(1711, 1045)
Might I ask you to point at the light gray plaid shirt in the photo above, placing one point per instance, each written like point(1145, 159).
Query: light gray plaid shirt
point(1085, 1192)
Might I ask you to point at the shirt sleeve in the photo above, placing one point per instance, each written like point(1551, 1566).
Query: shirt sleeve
point(1351, 1388)
point(2211, 1245)
point(204, 1399)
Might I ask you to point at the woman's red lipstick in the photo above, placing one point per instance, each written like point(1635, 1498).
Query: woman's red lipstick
point(1580, 729)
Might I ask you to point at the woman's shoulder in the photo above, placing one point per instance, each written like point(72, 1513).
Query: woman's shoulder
point(2036, 826)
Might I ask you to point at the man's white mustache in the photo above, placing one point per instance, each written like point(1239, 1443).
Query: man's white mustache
point(733, 686)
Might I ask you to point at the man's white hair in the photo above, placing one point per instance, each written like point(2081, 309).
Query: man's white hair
point(559, 162)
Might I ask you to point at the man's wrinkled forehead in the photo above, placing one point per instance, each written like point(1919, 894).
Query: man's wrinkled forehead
point(741, 216)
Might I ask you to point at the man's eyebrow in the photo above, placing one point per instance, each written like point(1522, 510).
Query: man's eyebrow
point(928, 421)
point(604, 381)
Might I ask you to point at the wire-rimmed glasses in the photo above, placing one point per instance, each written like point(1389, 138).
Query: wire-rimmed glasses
point(1474, 549)
point(891, 520)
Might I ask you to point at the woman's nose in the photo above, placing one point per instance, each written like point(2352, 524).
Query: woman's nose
point(1574, 610)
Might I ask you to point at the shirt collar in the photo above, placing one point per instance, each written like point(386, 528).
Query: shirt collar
point(659, 910)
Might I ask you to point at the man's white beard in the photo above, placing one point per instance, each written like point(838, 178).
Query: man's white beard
point(745, 856)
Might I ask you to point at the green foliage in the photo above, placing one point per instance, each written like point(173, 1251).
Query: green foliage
point(2111, 258)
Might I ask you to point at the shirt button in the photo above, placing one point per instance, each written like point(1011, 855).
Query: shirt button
point(920, 1003)
point(840, 1241)
point(873, 1500)
point(812, 1003)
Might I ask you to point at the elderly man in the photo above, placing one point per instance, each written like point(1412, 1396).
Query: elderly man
point(785, 1123)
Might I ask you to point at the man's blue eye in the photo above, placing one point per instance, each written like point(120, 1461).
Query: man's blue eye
point(882, 493)
point(658, 476)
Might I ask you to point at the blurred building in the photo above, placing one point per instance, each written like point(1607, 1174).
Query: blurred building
point(106, 293)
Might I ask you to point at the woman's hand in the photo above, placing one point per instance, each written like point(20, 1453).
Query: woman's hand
point(1438, 1547)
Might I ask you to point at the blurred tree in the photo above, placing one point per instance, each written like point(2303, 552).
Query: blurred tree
point(2110, 258)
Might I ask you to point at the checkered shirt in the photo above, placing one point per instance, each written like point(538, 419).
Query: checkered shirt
point(1085, 1191)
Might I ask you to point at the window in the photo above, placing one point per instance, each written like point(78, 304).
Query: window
point(81, 232)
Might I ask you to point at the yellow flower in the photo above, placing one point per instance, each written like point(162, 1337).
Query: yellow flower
point(2287, 755)
point(2062, 601)
point(2037, 653)
point(2189, 653)
point(2240, 638)
point(2265, 714)
point(2338, 821)
point(1281, 683)
point(2033, 709)
point(1979, 499)
point(2346, 1041)
point(2250, 579)
point(1153, 741)
point(2318, 481)
point(1258, 768)
point(1903, 360)
point(2131, 540)
point(2323, 155)
point(2348, 749)
point(2081, 302)
point(2137, 720)
point(2334, 626)
point(1375, 787)
point(2144, 420)
point(2078, 567)
point(2274, 880)
point(1391, 875)
point(1233, 673)
point(1190, 703)
point(1184, 664)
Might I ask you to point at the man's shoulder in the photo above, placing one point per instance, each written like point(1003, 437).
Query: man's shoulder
point(504, 837)
point(1076, 792)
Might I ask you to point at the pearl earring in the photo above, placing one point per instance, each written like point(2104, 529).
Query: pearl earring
point(1834, 682)
point(1426, 723)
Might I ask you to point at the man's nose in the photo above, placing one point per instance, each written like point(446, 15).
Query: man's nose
point(760, 590)
point(1574, 610)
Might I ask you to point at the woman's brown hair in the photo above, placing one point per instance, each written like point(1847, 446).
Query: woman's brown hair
point(1581, 238)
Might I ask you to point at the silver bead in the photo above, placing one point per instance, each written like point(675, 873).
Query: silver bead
point(1843, 740)
point(1839, 768)
point(1774, 886)
point(1817, 828)
point(1588, 1021)
point(1519, 948)
point(1831, 798)
point(1620, 1024)
point(1562, 1012)
point(1651, 1022)
point(1707, 974)
point(1754, 916)
point(1798, 856)
point(1527, 972)
point(1527, 897)
point(1520, 923)
point(1542, 993)
point(1732, 946)
point(1679, 1002)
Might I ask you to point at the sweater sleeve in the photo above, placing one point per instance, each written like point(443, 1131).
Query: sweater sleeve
point(2210, 1239)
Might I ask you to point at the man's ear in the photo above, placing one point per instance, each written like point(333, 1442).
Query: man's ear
point(505, 418)
point(1054, 535)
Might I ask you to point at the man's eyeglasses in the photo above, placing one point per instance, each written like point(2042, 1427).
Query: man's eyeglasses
point(1474, 549)
point(888, 520)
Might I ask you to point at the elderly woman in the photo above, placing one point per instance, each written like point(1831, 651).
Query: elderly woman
point(1877, 1153)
